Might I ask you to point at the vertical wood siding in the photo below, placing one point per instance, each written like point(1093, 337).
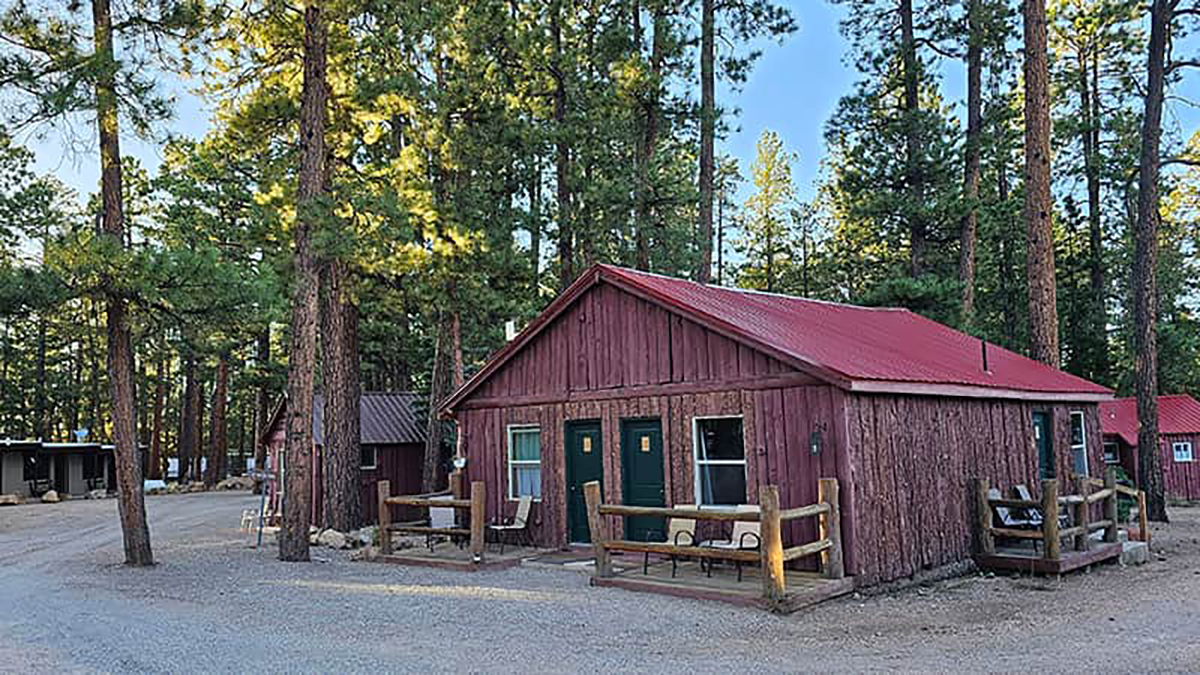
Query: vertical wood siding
point(776, 428)
point(610, 339)
point(1181, 479)
point(912, 459)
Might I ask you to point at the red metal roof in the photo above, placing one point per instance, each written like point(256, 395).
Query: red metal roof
point(860, 344)
point(867, 349)
point(1177, 414)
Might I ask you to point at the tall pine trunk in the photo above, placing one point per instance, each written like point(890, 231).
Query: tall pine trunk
point(262, 403)
point(967, 237)
point(913, 151)
point(708, 130)
point(130, 494)
point(218, 436)
point(648, 143)
point(1039, 266)
point(562, 154)
point(1145, 267)
point(298, 488)
point(1096, 325)
point(154, 470)
point(187, 419)
point(341, 506)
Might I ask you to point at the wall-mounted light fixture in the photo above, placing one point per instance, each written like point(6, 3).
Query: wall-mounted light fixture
point(460, 463)
point(814, 442)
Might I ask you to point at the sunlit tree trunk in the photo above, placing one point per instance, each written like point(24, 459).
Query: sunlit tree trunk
point(1039, 266)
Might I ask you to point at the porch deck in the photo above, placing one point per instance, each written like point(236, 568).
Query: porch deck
point(1015, 558)
point(449, 556)
point(803, 588)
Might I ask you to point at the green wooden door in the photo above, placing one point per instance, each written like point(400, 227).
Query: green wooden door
point(642, 474)
point(585, 463)
point(1042, 438)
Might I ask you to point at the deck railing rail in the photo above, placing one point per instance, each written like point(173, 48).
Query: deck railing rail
point(1051, 505)
point(771, 554)
point(474, 506)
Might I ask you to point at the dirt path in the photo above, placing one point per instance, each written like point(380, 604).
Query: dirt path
point(213, 604)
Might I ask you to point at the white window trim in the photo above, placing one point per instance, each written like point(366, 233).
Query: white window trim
point(696, 461)
point(1083, 444)
point(374, 453)
point(510, 462)
point(1182, 444)
point(1116, 454)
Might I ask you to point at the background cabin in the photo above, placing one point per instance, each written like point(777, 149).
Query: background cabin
point(670, 392)
point(1179, 441)
point(392, 446)
point(31, 468)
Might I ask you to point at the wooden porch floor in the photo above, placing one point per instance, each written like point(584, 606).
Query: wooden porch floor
point(449, 556)
point(803, 588)
point(1025, 559)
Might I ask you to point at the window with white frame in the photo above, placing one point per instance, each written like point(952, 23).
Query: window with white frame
point(1182, 451)
point(1079, 456)
point(524, 462)
point(1112, 454)
point(369, 456)
point(720, 461)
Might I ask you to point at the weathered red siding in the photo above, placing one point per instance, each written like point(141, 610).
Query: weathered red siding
point(611, 339)
point(912, 459)
point(1181, 480)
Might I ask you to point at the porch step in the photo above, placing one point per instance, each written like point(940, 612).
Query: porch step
point(1134, 553)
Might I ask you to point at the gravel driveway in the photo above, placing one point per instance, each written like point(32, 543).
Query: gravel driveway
point(213, 604)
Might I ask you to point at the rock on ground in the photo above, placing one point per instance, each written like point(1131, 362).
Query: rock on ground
point(11, 500)
point(51, 497)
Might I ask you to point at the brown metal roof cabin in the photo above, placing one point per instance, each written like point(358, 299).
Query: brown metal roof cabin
point(670, 392)
point(393, 446)
point(1179, 441)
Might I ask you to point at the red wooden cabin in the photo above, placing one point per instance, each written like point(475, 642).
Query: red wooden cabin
point(1179, 441)
point(393, 447)
point(671, 392)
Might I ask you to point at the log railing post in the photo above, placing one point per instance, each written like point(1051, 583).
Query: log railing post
point(456, 492)
point(1083, 514)
point(384, 489)
point(1110, 505)
point(597, 526)
point(478, 514)
point(1143, 524)
point(771, 551)
point(983, 517)
point(1050, 543)
point(832, 562)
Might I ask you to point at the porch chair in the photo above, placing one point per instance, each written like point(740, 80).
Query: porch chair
point(519, 525)
point(746, 536)
point(1034, 514)
point(1009, 517)
point(680, 532)
point(441, 517)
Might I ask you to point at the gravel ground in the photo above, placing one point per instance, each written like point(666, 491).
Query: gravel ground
point(215, 605)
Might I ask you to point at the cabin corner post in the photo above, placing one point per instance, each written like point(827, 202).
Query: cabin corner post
point(597, 528)
point(1050, 542)
point(1083, 488)
point(832, 560)
point(478, 512)
point(384, 488)
point(983, 517)
point(456, 492)
point(771, 550)
point(1110, 505)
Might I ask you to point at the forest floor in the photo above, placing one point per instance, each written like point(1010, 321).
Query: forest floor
point(214, 604)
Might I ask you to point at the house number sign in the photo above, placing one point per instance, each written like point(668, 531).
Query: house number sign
point(645, 444)
point(587, 444)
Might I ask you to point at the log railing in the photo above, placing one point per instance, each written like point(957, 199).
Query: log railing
point(1051, 505)
point(474, 506)
point(771, 555)
point(1138, 496)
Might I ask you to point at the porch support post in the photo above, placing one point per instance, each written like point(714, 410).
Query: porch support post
point(478, 514)
point(832, 564)
point(1050, 543)
point(771, 551)
point(384, 488)
point(1083, 514)
point(1110, 505)
point(598, 528)
point(983, 517)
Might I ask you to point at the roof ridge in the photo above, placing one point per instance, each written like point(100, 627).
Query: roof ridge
point(753, 291)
